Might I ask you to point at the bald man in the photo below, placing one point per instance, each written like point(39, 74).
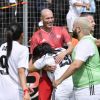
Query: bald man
point(91, 20)
point(56, 37)
point(85, 67)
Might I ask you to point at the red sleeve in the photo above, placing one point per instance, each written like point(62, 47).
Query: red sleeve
point(66, 35)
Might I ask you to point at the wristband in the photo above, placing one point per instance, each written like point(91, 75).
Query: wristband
point(25, 90)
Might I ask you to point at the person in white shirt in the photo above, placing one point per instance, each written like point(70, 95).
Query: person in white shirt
point(44, 55)
point(13, 65)
point(75, 9)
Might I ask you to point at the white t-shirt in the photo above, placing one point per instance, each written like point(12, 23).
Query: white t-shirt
point(84, 49)
point(73, 10)
point(73, 13)
point(9, 83)
point(49, 60)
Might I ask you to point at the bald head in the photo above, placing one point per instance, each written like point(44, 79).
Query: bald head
point(82, 22)
point(82, 25)
point(46, 11)
point(91, 20)
point(47, 19)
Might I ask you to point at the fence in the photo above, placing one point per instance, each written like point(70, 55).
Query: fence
point(27, 12)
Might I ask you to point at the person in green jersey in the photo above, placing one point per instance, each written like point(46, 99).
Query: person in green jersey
point(85, 67)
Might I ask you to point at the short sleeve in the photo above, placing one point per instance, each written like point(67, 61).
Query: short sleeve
point(24, 58)
point(84, 50)
point(40, 63)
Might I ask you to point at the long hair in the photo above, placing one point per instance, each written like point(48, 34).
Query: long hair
point(41, 50)
point(13, 32)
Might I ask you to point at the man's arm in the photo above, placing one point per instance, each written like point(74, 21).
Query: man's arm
point(87, 5)
point(72, 68)
point(68, 51)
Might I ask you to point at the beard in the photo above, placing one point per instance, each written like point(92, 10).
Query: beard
point(75, 35)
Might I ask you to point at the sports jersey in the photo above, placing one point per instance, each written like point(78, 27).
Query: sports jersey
point(9, 78)
point(89, 73)
point(56, 38)
point(48, 59)
point(65, 90)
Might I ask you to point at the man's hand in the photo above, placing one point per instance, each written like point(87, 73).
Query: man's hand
point(87, 6)
point(60, 57)
point(50, 68)
point(56, 83)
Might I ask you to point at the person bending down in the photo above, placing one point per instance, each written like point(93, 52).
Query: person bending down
point(44, 55)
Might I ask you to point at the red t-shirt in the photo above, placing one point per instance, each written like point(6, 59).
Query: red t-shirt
point(56, 38)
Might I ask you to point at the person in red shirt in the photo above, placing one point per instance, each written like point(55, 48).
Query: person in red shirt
point(56, 36)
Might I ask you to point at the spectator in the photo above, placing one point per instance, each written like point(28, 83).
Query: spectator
point(75, 7)
point(45, 56)
point(86, 64)
point(56, 37)
point(13, 66)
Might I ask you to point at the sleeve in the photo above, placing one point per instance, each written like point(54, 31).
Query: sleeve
point(84, 50)
point(66, 35)
point(40, 63)
point(24, 58)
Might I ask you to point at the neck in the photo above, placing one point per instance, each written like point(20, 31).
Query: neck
point(20, 40)
point(80, 36)
point(47, 29)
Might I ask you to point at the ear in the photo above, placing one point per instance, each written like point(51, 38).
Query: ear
point(78, 29)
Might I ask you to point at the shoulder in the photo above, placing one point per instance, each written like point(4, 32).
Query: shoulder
point(60, 29)
point(86, 44)
point(24, 48)
point(3, 49)
point(20, 46)
point(2, 45)
point(36, 32)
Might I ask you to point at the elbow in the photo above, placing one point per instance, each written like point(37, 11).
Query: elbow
point(76, 65)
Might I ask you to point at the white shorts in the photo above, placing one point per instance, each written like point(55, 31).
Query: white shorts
point(64, 91)
point(84, 94)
